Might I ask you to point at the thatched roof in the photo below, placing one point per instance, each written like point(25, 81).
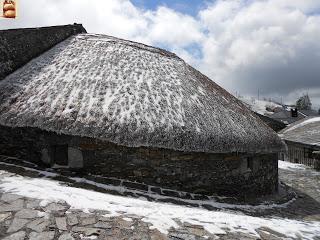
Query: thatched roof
point(306, 131)
point(131, 94)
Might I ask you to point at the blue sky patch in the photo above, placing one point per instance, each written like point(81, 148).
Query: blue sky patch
point(190, 7)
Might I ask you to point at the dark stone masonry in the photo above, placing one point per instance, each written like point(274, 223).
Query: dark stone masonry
point(19, 46)
point(240, 175)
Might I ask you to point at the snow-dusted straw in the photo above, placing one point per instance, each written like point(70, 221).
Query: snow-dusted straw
point(130, 94)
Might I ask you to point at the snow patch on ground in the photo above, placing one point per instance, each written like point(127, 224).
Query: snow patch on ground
point(161, 215)
point(213, 201)
point(290, 166)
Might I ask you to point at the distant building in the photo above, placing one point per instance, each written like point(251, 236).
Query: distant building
point(291, 115)
point(272, 123)
point(126, 110)
point(302, 139)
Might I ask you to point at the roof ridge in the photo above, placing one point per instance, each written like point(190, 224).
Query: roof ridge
point(133, 44)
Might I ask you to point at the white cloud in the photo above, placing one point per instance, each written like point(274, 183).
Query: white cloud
point(114, 17)
point(269, 45)
point(170, 27)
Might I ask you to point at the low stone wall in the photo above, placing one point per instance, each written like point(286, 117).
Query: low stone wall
point(239, 175)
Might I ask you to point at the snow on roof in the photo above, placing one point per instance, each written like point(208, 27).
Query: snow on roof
point(130, 94)
point(260, 106)
point(306, 131)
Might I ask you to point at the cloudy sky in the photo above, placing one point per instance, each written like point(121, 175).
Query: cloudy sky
point(246, 46)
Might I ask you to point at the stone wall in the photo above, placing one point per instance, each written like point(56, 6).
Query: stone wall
point(238, 175)
point(19, 46)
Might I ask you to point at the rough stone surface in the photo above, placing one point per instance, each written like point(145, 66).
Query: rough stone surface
point(61, 223)
point(4, 216)
point(8, 198)
point(39, 225)
point(27, 213)
point(17, 224)
point(88, 231)
point(14, 206)
point(16, 236)
point(104, 225)
point(66, 236)
point(236, 175)
point(88, 221)
point(32, 204)
point(72, 219)
point(41, 236)
point(55, 207)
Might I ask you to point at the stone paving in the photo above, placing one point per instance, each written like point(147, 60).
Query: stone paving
point(26, 218)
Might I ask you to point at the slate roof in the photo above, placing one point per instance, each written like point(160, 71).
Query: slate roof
point(130, 94)
point(273, 123)
point(306, 131)
point(309, 113)
point(285, 117)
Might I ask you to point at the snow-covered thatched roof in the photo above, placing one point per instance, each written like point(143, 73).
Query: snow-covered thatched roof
point(306, 131)
point(130, 94)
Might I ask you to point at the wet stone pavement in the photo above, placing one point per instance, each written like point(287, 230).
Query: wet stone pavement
point(25, 218)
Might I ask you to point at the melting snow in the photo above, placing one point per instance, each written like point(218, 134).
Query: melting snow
point(161, 215)
point(290, 166)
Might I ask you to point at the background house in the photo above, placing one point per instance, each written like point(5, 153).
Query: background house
point(291, 115)
point(302, 139)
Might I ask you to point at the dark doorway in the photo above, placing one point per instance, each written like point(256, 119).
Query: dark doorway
point(60, 155)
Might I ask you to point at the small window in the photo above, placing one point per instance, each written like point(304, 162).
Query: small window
point(60, 155)
point(308, 152)
point(250, 163)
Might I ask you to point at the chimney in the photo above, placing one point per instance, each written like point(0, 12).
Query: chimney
point(294, 112)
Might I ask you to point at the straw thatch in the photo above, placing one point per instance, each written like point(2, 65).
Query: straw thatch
point(130, 94)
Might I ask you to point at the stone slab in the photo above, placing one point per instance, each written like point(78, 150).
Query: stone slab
point(27, 214)
point(66, 236)
point(17, 224)
point(16, 236)
point(39, 225)
point(41, 236)
point(61, 223)
point(12, 207)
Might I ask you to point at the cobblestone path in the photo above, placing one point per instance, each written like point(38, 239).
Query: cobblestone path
point(26, 218)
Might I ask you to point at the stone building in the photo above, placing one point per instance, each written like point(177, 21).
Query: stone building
point(126, 110)
point(303, 141)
